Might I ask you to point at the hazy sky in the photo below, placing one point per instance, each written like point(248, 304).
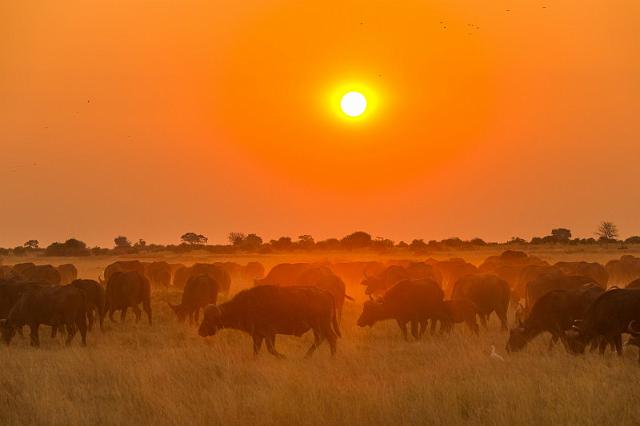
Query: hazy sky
point(150, 119)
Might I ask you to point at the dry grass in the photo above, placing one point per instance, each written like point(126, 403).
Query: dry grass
point(166, 374)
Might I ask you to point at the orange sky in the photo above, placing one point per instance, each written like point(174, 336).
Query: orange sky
point(150, 119)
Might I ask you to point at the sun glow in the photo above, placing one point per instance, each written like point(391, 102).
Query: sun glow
point(353, 104)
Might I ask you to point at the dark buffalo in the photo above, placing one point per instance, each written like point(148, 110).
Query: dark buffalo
point(124, 266)
point(542, 285)
point(265, 311)
point(380, 283)
point(409, 301)
point(593, 270)
point(531, 273)
point(41, 273)
point(607, 318)
point(555, 312)
point(634, 284)
point(488, 293)
point(460, 311)
point(284, 274)
point(68, 273)
point(12, 290)
point(199, 292)
point(128, 290)
point(158, 274)
point(624, 270)
point(452, 270)
point(217, 273)
point(95, 300)
point(55, 306)
point(509, 265)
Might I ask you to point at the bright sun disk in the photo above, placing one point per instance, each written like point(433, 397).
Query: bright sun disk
point(353, 104)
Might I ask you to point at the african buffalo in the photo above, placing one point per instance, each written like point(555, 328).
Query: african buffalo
point(458, 311)
point(68, 273)
point(95, 300)
point(55, 306)
point(554, 313)
point(608, 317)
point(488, 293)
point(218, 274)
point(199, 292)
point(124, 266)
point(378, 284)
point(624, 270)
point(158, 274)
point(265, 311)
point(127, 290)
point(593, 270)
point(409, 301)
point(542, 285)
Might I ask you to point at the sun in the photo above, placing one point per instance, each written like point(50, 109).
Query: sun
point(353, 104)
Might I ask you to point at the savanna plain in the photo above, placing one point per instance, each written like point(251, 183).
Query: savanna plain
point(167, 374)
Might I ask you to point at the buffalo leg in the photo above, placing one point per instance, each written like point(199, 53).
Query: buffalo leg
point(617, 340)
point(71, 333)
point(414, 329)
point(54, 331)
point(197, 315)
point(137, 312)
point(503, 320)
point(123, 314)
point(403, 329)
point(332, 338)
point(147, 308)
point(317, 339)
point(257, 344)
point(271, 346)
point(35, 338)
point(483, 321)
point(111, 312)
point(423, 327)
point(434, 323)
point(82, 326)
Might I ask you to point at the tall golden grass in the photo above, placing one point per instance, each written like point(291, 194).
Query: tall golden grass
point(166, 374)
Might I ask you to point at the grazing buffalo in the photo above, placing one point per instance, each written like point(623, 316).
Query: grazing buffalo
point(378, 284)
point(409, 301)
point(593, 270)
point(55, 306)
point(41, 273)
point(199, 292)
point(488, 293)
point(608, 317)
point(634, 284)
point(284, 274)
point(354, 272)
point(459, 311)
point(68, 273)
point(542, 285)
point(554, 313)
point(12, 290)
point(624, 270)
point(128, 290)
point(531, 273)
point(266, 311)
point(124, 266)
point(158, 274)
point(509, 265)
point(452, 270)
point(216, 273)
point(94, 295)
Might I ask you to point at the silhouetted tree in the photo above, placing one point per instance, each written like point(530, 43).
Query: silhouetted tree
point(31, 244)
point(328, 244)
point(561, 235)
point(607, 231)
point(236, 238)
point(282, 243)
point(71, 247)
point(140, 244)
point(306, 242)
point(122, 242)
point(633, 240)
point(194, 239)
point(251, 242)
point(357, 240)
point(402, 244)
point(418, 245)
point(478, 242)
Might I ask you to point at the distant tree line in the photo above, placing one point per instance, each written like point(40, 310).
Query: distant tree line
point(607, 232)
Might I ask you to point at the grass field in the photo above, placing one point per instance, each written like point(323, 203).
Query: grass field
point(167, 374)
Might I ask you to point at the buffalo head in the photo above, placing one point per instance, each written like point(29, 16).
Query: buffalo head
point(212, 321)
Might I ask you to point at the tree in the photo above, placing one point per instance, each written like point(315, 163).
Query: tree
point(306, 242)
point(71, 247)
point(633, 240)
point(236, 238)
point(31, 244)
point(607, 231)
point(140, 244)
point(194, 239)
point(561, 235)
point(122, 242)
point(282, 243)
point(418, 245)
point(357, 240)
point(251, 242)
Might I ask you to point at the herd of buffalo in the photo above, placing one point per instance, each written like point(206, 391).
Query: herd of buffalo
point(581, 304)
